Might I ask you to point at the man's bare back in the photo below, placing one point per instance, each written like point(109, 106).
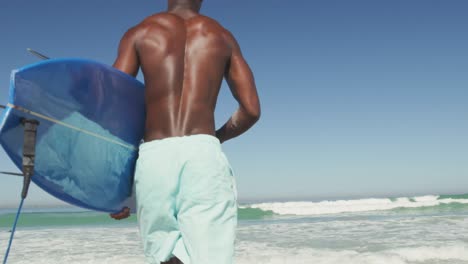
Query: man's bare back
point(184, 57)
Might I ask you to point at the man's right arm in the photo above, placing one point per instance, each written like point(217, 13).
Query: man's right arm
point(242, 84)
point(127, 59)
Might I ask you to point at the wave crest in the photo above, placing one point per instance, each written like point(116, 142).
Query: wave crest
point(358, 205)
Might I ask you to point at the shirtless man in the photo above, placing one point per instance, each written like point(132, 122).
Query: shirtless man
point(185, 189)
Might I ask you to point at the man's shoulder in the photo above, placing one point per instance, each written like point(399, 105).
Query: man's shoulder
point(158, 19)
point(208, 20)
point(220, 29)
point(160, 22)
point(215, 23)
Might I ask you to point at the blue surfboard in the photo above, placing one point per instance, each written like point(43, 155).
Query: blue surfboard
point(91, 124)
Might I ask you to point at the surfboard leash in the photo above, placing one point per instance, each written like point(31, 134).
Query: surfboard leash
point(29, 154)
point(5, 259)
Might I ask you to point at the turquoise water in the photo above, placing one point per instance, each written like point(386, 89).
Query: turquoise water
point(90, 218)
point(68, 217)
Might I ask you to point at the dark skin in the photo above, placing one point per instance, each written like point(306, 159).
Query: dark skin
point(184, 57)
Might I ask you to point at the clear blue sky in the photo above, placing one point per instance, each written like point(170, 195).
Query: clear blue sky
point(359, 97)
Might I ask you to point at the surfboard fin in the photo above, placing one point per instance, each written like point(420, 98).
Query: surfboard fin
point(37, 54)
point(11, 173)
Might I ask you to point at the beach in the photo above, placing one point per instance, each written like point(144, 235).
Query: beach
point(344, 124)
point(400, 230)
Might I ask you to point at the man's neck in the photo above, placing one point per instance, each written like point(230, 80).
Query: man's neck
point(181, 6)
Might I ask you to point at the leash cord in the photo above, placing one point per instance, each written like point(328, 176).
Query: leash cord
point(13, 231)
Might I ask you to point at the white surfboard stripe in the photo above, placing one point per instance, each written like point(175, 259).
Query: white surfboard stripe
point(22, 109)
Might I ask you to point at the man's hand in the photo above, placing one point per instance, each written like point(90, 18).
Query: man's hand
point(124, 213)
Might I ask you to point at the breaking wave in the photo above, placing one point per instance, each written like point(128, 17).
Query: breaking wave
point(433, 202)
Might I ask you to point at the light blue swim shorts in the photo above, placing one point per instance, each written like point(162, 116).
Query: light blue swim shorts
point(186, 200)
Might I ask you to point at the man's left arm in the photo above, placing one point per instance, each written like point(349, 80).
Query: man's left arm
point(127, 58)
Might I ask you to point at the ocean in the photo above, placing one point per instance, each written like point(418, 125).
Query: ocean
point(402, 230)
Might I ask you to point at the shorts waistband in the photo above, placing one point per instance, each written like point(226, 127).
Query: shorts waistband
point(203, 138)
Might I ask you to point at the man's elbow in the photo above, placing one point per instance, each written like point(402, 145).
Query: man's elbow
point(254, 113)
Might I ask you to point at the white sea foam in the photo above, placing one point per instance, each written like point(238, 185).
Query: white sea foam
point(121, 246)
point(75, 245)
point(359, 205)
point(264, 254)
